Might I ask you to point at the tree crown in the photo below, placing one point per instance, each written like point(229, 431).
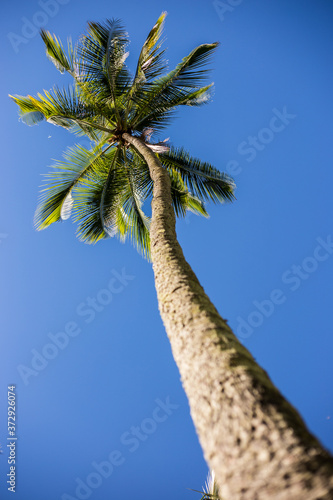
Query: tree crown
point(106, 185)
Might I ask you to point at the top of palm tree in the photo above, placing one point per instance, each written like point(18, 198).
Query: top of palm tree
point(106, 185)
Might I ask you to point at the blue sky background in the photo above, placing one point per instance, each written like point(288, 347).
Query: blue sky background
point(275, 57)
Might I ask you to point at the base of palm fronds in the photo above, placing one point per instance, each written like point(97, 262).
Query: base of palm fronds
point(210, 490)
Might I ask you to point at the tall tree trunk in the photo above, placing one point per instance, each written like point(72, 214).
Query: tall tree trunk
point(254, 440)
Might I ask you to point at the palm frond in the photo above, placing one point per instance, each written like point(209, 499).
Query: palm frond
point(102, 54)
point(55, 201)
point(61, 107)
point(55, 52)
point(137, 222)
point(110, 206)
point(196, 206)
point(150, 62)
point(96, 199)
point(159, 113)
point(203, 180)
point(170, 90)
point(210, 490)
point(191, 71)
point(182, 200)
point(193, 98)
point(141, 175)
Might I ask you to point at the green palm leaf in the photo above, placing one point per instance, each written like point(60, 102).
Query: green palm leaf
point(150, 62)
point(140, 173)
point(64, 108)
point(167, 92)
point(201, 179)
point(101, 57)
point(96, 198)
point(159, 112)
point(55, 52)
point(182, 200)
point(66, 174)
point(133, 196)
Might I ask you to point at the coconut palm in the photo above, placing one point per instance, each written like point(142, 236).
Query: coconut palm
point(255, 441)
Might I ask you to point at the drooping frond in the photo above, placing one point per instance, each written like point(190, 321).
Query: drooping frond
point(55, 52)
point(193, 98)
point(191, 71)
point(56, 197)
point(107, 202)
point(182, 200)
point(138, 223)
point(96, 198)
point(201, 179)
point(140, 174)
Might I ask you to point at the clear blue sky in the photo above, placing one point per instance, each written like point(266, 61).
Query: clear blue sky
point(266, 260)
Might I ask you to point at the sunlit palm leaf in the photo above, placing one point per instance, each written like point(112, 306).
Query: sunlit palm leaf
point(138, 223)
point(210, 490)
point(78, 162)
point(165, 92)
point(202, 179)
point(55, 52)
point(102, 54)
point(96, 199)
point(159, 113)
point(140, 174)
point(60, 107)
point(150, 63)
point(182, 200)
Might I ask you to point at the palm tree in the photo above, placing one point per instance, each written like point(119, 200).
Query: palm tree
point(252, 438)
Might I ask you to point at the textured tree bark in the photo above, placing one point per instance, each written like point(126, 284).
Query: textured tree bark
point(254, 440)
